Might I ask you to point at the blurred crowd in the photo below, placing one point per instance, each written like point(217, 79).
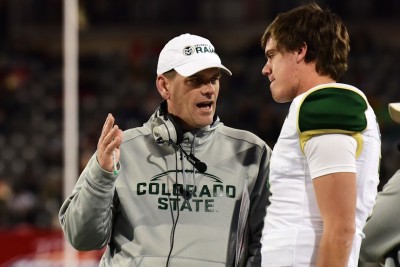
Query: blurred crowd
point(123, 83)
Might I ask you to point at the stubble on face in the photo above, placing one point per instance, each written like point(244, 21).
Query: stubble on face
point(193, 99)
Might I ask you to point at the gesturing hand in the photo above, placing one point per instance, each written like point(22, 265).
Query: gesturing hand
point(109, 141)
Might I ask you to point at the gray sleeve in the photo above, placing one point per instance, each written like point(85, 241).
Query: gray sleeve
point(259, 202)
point(382, 231)
point(86, 215)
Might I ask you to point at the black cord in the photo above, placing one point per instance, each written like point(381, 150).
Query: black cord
point(174, 221)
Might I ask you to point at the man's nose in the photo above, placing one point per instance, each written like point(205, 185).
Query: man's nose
point(266, 70)
point(208, 88)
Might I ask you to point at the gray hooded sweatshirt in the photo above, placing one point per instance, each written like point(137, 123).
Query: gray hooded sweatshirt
point(143, 217)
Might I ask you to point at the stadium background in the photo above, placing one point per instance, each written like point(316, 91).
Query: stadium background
point(119, 42)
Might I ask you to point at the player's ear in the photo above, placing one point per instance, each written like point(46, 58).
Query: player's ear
point(163, 86)
point(301, 52)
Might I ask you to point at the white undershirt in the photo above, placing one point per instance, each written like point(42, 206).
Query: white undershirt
point(330, 153)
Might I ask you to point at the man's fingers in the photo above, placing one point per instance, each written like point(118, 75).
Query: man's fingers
point(109, 141)
point(111, 135)
point(108, 124)
point(112, 140)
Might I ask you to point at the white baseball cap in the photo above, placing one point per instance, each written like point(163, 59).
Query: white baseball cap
point(188, 54)
point(394, 111)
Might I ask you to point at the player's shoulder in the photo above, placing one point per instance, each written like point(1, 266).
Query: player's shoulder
point(333, 106)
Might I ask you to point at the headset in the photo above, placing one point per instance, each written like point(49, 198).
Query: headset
point(165, 128)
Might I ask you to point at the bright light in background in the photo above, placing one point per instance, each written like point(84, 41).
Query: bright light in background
point(71, 143)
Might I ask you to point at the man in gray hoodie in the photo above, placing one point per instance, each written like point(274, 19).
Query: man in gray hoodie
point(183, 189)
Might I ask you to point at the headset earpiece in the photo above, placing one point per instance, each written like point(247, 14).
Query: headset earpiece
point(165, 129)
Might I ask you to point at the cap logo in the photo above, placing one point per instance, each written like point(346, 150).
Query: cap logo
point(188, 50)
point(201, 48)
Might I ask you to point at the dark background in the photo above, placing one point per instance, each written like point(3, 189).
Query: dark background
point(119, 45)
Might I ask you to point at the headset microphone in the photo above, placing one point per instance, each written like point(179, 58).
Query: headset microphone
point(199, 165)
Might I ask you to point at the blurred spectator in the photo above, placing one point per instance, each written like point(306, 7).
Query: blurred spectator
point(382, 231)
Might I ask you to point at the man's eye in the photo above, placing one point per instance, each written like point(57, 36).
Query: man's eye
point(214, 80)
point(195, 81)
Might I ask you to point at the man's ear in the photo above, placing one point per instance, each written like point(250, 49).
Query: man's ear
point(163, 86)
point(301, 53)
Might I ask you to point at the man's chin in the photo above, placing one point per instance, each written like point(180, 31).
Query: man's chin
point(205, 122)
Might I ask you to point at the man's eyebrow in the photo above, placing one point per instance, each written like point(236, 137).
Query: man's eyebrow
point(271, 50)
point(198, 75)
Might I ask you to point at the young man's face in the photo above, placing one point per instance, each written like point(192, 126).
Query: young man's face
point(281, 70)
point(193, 99)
